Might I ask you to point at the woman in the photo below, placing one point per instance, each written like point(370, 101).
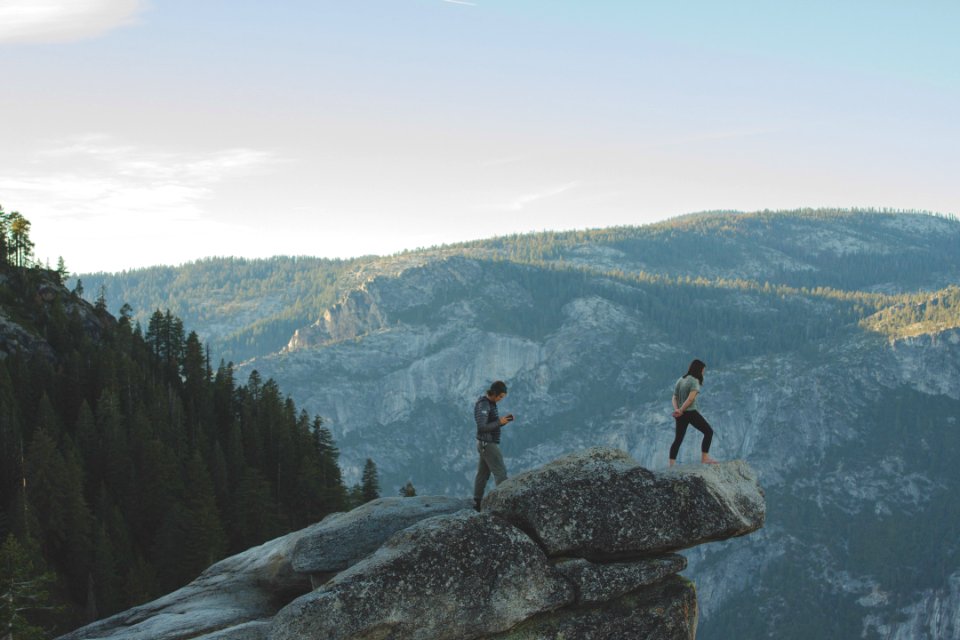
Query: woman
point(686, 412)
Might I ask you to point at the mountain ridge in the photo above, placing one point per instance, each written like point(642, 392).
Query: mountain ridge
point(243, 325)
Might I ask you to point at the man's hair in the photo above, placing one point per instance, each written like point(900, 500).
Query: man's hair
point(696, 370)
point(497, 388)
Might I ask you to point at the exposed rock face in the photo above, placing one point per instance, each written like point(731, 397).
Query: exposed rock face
point(603, 582)
point(31, 296)
point(563, 506)
point(364, 310)
point(344, 539)
point(464, 575)
point(452, 577)
point(14, 338)
point(665, 611)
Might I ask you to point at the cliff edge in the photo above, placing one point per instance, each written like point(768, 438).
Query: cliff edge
point(583, 547)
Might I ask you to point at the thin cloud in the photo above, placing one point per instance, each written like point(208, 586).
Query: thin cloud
point(464, 2)
point(101, 152)
point(46, 21)
point(77, 188)
point(524, 201)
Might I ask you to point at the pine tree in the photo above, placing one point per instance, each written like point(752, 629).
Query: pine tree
point(334, 496)
point(4, 242)
point(62, 272)
point(20, 242)
point(371, 482)
point(408, 490)
point(101, 303)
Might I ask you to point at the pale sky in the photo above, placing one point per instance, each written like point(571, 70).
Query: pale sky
point(135, 133)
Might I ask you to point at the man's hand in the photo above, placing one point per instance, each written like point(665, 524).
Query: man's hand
point(505, 419)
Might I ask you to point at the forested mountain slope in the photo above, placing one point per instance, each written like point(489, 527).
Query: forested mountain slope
point(129, 462)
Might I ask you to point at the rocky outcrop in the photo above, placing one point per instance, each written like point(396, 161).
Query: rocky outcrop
point(566, 505)
point(15, 339)
point(536, 562)
point(574, 549)
point(358, 313)
point(33, 299)
point(377, 303)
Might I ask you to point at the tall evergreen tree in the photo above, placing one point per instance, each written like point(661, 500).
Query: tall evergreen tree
point(20, 242)
point(371, 481)
point(63, 274)
point(4, 242)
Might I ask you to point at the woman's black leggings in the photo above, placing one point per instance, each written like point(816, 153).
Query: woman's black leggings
point(699, 423)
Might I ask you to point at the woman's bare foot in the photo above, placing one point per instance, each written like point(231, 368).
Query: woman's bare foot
point(673, 462)
point(705, 459)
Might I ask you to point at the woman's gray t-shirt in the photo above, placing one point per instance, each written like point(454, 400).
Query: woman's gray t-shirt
point(684, 386)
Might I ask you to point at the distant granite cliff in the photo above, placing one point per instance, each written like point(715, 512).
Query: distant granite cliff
point(580, 548)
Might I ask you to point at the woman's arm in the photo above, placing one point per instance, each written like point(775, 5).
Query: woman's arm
point(686, 403)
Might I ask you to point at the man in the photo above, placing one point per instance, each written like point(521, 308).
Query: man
point(489, 424)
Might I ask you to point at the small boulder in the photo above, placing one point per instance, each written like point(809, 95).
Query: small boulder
point(601, 504)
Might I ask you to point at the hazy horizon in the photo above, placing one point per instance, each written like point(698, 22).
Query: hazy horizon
point(483, 239)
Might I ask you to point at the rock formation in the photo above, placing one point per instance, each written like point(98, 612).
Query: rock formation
point(579, 548)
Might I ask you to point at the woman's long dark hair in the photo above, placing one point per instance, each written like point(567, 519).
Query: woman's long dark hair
point(696, 370)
